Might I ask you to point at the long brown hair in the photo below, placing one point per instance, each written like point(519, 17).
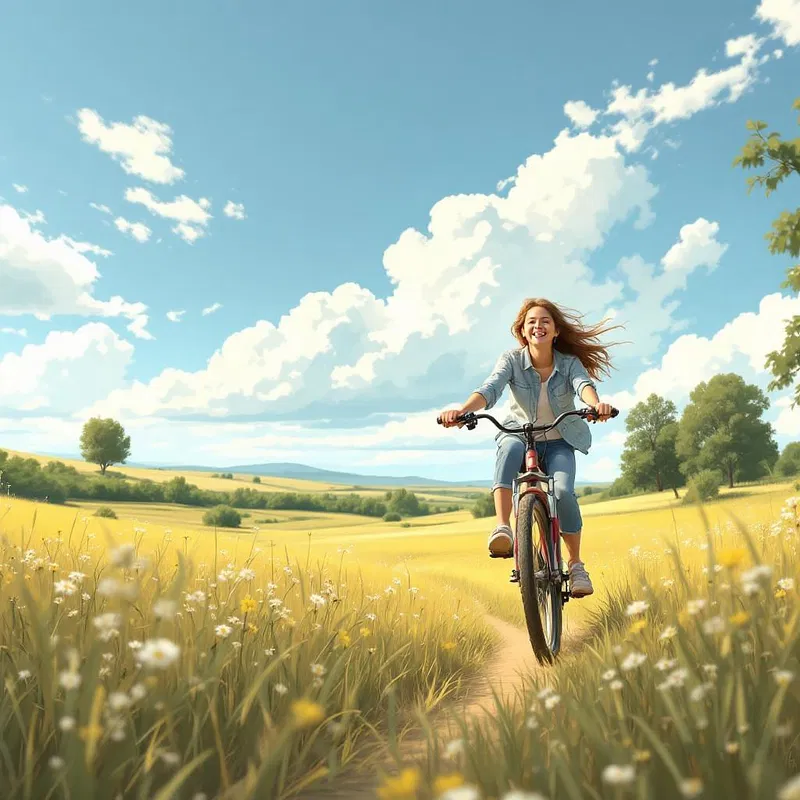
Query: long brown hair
point(574, 338)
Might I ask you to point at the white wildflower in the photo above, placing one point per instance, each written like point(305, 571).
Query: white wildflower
point(632, 661)
point(637, 607)
point(158, 653)
point(164, 608)
point(619, 774)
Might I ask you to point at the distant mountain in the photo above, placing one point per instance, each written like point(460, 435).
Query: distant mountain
point(304, 472)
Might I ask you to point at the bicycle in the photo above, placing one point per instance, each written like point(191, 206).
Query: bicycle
point(538, 567)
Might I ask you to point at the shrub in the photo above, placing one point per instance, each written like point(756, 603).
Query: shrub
point(105, 511)
point(703, 485)
point(484, 507)
point(391, 516)
point(256, 479)
point(222, 517)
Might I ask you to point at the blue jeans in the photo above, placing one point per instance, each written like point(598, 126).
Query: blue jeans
point(556, 458)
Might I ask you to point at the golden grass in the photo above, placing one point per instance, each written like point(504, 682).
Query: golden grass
point(443, 555)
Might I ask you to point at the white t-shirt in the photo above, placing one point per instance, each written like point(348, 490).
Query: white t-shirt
point(544, 415)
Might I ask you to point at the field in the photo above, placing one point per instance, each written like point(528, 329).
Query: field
point(150, 656)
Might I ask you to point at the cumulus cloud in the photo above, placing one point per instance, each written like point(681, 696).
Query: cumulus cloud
point(191, 216)
point(142, 148)
point(137, 230)
point(18, 187)
point(14, 332)
point(44, 276)
point(740, 346)
point(211, 309)
point(580, 113)
point(175, 316)
point(103, 209)
point(62, 374)
point(640, 111)
point(784, 16)
point(337, 353)
point(234, 210)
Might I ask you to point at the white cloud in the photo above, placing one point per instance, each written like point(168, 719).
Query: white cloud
point(175, 316)
point(15, 331)
point(142, 148)
point(784, 16)
point(234, 210)
point(787, 423)
point(697, 246)
point(69, 370)
point(20, 188)
point(580, 113)
point(653, 62)
point(651, 76)
point(740, 346)
point(45, 276)
point(642, 110)
point(211, 309)
point(338, 352)
point(138, 230)
point(191, 216)
point(36, 218)
point(103, 209)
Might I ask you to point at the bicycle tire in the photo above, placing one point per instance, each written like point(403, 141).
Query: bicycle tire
point(545, 639)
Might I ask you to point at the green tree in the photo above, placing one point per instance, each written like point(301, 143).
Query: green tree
point(721, 428)
point(789, 461)
point(406, 503)
point(783, 156)
point(103, 442)
point(649, 459)
point(484, 506)
point(222, 517)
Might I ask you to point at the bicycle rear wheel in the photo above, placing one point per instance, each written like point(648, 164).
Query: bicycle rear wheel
point(541, 595)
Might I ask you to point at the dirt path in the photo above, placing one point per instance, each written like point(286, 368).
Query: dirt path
point(512, 661)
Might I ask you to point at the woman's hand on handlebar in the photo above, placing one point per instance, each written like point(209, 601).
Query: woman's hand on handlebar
point(449, 418)
point(604, 411)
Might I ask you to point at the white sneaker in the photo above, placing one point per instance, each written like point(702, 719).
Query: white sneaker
point(501, 542)
point(579, 581)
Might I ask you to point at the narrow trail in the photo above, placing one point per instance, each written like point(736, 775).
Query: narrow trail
point(511, 663)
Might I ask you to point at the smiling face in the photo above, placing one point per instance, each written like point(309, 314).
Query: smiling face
point(539, 328)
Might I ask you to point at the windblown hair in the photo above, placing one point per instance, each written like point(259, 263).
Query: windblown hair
point(574, 338)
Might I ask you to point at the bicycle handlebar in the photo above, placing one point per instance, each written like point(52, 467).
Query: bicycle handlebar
point(471, 420)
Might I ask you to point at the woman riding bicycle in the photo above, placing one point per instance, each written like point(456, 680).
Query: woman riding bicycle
point(562, 356)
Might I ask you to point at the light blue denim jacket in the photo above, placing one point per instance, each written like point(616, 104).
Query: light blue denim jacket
point(569, 377)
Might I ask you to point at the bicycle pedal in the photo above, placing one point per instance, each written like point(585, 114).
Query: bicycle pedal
point(514, 576)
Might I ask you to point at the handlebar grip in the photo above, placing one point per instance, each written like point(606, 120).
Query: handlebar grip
point(438, 420)
point(615, 412)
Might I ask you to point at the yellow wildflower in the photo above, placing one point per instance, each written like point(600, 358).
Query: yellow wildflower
point(402, 787)
point(732, 557)
point(638, 626)
point(248, 605)
point(365, 631)
point(449, 646)
point(306, 713)
point(641, 756)
point(343, 638)
point(740, 618)
point(780, 593)
point(252, 628)
point(444, 783)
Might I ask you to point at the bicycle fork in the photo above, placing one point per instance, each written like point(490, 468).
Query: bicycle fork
point(555, 573)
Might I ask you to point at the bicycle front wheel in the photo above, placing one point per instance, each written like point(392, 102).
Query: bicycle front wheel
point(541, 593)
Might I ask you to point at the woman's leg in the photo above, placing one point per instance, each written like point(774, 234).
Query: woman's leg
point(510, 452)
point(560, 463)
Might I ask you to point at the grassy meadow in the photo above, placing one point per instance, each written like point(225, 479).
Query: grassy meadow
point(150, 656)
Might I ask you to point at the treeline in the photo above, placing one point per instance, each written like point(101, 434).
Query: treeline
point(56, 482)
point(720, 437)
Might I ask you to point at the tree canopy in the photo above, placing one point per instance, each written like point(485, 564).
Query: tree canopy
point(721, 428)
point(103, 442)
point(783, 156)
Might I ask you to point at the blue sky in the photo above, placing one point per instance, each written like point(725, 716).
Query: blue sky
point(331, 134)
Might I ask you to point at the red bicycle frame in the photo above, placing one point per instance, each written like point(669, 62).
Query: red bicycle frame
point(532, 477)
